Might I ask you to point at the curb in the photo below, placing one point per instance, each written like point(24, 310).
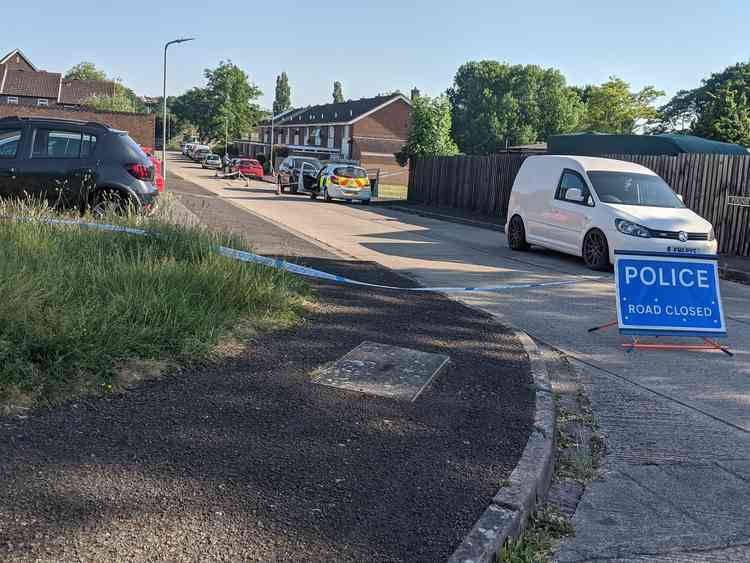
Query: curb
point(506, 516)
point(445, 217)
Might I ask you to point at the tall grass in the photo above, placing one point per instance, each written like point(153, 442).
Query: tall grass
point(77, 303)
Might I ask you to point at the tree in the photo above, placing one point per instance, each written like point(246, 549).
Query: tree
point(282, 99)
point(338, 95)
point(716, 110)
point(123, 100)
point(495, 105)
point(613, 108)
point(85, 71)
point(429, 130)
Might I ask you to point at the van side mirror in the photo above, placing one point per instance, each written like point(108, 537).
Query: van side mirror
point(680, 198)
point(574, 194)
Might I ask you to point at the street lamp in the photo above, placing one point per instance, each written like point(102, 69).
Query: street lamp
point(164, 115)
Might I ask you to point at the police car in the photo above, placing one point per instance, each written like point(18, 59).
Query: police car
point(340, 180)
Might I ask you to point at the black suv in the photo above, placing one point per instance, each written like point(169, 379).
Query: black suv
point(74, 164)
point(287, 175)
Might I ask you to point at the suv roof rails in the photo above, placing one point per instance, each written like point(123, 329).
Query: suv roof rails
point(56, 119)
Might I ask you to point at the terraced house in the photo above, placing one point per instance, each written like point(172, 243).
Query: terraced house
point(370, 130)
point(26, 90)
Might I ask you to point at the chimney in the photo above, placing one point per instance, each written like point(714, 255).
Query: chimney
point(414, 93)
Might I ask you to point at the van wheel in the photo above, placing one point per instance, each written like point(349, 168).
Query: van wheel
point(517, 234)
point(596, 250)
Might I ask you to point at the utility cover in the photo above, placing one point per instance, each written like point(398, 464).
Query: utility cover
point(379, 369)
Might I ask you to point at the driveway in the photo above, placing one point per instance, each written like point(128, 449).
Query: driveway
point(677, 474)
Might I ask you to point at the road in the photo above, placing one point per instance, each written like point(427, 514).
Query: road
point(677, 475)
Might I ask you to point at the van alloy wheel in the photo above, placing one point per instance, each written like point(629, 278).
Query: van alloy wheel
point(596, 250)
point(517, 234)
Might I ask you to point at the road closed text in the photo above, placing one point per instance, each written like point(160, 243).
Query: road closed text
point(677, 310)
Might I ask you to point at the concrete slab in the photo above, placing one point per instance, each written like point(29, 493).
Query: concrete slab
point(380, 369)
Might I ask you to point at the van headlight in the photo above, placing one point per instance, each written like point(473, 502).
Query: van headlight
point(632, 229)
point(711, 234)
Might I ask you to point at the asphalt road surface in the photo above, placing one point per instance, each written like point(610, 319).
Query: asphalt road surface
point(677, 475)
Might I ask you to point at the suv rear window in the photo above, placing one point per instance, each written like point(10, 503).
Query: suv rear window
point(350, 172)
point(9, 141)
point(49, 143)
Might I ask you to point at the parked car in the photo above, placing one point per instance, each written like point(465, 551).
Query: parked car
point(74, 164)
point(590, 207)
point(249, 167)
point(199, 151)
point(339, 181)
point(287, 175)
point(211, 161)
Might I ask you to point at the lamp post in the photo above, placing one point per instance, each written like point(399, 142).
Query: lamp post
point(270, 155)
point(164, 115)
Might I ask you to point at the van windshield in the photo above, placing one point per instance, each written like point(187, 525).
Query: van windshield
point(628, 188)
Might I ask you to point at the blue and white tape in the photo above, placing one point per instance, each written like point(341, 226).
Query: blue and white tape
point(306, 271)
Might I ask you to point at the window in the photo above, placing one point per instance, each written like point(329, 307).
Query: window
point(350, 172)
point(630, 188)
point(9, 141)
point(42, 102)
point(56, 144)
point(88, 145)
point(13, 100)
point(315, 136)
point(573, 180)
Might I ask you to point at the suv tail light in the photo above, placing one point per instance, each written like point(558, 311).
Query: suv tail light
point(141, 171)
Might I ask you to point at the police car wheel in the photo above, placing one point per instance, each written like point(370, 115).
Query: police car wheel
point(596, 250)
point(365, 202)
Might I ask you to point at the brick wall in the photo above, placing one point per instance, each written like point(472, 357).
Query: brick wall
point(139, 126)
point(390, 122)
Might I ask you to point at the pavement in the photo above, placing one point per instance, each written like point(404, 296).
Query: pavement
point(676, 479)
point(248, 460)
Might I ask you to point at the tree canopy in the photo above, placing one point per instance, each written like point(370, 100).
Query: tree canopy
point(613, 108)
point(429, 130)
point(495, 105)
point(228, 98)
point(85, 71)
point(283, 96)
point(718, 109)
point(338, 94)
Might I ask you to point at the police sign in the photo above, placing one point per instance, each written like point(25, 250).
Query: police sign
point(667, 294)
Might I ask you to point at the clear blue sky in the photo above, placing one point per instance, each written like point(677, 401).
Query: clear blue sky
point(377, 46)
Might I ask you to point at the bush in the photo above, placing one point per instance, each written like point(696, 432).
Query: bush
point(78, 304)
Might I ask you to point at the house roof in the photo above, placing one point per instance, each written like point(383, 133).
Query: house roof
point(75, 91)
point(341, 113)
point(18, 52)
point(32, 84)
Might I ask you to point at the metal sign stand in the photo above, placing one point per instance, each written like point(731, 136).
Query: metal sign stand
point(709, 344)
point(666, 294)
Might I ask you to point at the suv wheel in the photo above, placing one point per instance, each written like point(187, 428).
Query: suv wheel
point(107, 201)
point(517, 234)
point(596, 250)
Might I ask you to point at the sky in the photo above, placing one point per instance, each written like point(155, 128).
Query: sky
point(381, 46)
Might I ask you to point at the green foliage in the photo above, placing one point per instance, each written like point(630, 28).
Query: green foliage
point(613, 108)
point(227, 98)
point(338, 94)
point(495, 105)
point(429, 130)
point(85, 71)
point(283, 95)
point(717, 109)
point(78, 303)
point(123, 100)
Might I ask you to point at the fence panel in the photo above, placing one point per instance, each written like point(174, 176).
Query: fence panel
point(482, 184)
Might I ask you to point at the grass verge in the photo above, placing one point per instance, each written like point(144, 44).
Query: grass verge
point(80, 308)
point(392, 191)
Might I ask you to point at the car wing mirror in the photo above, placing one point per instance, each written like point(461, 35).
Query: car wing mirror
point(680, 198)
point(574, 194)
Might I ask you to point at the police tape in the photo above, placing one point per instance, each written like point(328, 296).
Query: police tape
point(279, 264)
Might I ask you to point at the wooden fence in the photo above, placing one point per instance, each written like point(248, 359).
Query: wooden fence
point(707, 182)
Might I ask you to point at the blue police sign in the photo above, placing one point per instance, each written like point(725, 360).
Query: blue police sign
point(668, 294)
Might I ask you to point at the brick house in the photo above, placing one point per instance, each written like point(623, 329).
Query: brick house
point(27, 91)
point(369, 130)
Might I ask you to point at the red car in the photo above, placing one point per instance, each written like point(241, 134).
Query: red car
point(249, 167)
point(158, 178)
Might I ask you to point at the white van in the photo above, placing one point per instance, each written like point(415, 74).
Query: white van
point(591, 207)
point(199, 151)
